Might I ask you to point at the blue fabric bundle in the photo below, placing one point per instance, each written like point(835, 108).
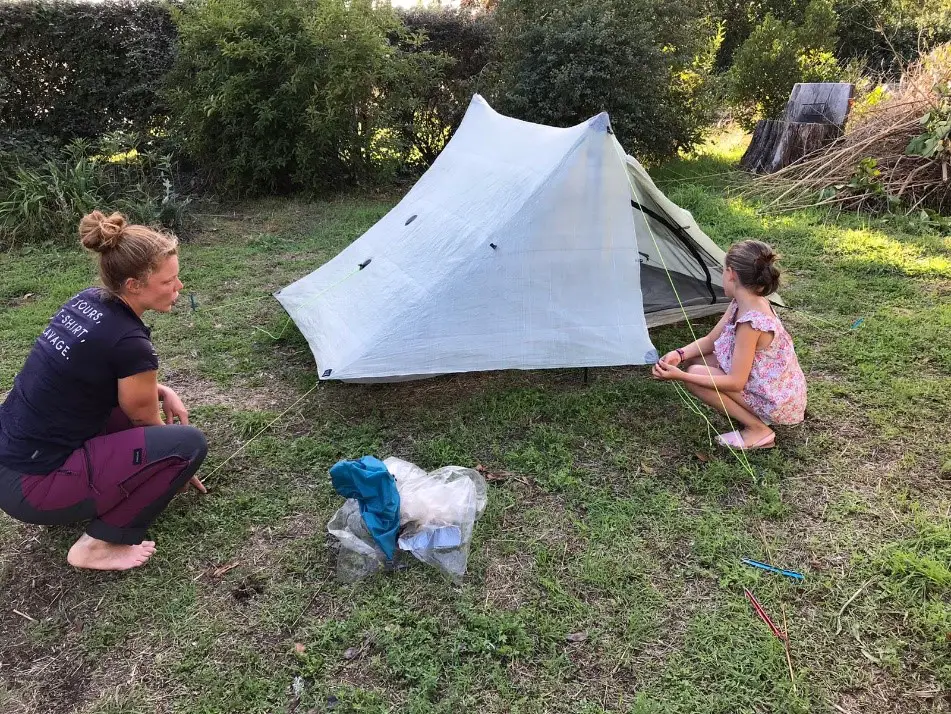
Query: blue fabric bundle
point(368, 481)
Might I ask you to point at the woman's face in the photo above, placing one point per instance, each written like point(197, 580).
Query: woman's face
point(160, 291)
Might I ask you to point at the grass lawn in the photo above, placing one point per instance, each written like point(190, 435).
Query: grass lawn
point(605, 575)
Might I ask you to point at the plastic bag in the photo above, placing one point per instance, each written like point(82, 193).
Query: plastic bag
point(437, 513)
point(359, 555)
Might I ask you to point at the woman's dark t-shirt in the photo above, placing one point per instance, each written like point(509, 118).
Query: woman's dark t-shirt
point(68, 386)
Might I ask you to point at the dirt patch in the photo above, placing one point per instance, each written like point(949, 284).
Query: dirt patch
point(197, 391)
point(250, 587)
point(41, 623)
point(507, 579)
point(885, 694)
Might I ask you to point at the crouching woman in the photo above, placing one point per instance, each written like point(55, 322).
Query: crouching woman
point(82, 436)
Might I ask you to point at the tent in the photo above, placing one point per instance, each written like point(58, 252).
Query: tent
point(522, 247)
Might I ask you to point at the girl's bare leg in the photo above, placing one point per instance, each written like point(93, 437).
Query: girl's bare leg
point(729, 403)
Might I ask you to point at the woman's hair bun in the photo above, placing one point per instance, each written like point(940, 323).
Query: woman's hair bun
point(100, 233)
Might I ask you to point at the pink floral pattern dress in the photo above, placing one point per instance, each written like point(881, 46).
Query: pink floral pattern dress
point(776, 389)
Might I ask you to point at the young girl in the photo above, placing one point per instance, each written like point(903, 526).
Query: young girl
point(746, 367)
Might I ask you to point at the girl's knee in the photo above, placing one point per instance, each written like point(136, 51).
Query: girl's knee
point(697, 369)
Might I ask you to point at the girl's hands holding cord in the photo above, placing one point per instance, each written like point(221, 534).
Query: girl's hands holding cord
point(665, 371)
point(672, 358)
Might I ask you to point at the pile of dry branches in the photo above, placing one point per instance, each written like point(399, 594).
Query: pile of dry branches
point(868, 167)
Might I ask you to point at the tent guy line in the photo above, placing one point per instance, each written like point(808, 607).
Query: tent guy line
point(740, 454)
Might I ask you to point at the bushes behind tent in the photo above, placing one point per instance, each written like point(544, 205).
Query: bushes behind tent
point(79, 70)
point(464, 41)
point(259, 112)
point(888, 35)
point(647, 62)
point(881, 35)
point(81, 117)
point(286, 95)
point(274, 96)
point(105, 74)
point(863, 41)
point(776, 56)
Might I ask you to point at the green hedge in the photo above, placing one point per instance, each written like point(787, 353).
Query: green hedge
point(465, 43)
point(275, 96)
point(776, 56)
point(79, 70)
point(883, 35)
point(646, 62)
point(888, 34)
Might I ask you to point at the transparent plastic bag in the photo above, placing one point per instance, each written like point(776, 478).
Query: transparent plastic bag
point(437, 513)
point(359, 555)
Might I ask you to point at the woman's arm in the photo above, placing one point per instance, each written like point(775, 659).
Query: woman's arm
point(138, 398)
point(172, 405)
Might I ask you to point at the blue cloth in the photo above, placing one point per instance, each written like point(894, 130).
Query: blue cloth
point(368, 481)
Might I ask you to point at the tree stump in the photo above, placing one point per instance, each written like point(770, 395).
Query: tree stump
point(777, 143)
point(815, 115)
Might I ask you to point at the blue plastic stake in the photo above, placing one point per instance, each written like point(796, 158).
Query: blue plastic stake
point(858, 323)
point(191, 296)
point(770, 568)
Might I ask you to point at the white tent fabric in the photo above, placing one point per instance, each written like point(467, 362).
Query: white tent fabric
point(518, 249)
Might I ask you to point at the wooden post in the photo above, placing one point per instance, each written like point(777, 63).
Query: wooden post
point(777, 144)
point(814, 116)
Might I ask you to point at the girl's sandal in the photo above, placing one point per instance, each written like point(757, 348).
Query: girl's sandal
point(734, 440)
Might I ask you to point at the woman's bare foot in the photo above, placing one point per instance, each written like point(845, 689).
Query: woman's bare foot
point(95, 554)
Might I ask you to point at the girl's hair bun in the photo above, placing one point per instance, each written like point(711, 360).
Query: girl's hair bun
point(755, 266)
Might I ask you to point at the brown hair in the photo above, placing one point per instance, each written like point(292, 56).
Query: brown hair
point(124, 250)
point(755, 266)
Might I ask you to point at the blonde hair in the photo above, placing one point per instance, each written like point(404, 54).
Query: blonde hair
point(755, 264)
point(124, 250)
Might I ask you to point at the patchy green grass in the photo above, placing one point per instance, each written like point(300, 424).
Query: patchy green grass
point(605, 575)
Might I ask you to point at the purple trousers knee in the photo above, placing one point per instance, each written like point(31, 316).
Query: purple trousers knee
point(120, 481)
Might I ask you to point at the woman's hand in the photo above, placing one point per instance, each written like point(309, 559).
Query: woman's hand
point(194, 481)
point(665, 371)
point(672, 358)
point(172, 406)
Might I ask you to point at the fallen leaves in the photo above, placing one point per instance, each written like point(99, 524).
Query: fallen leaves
point(225, 569)
point(491, 476)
